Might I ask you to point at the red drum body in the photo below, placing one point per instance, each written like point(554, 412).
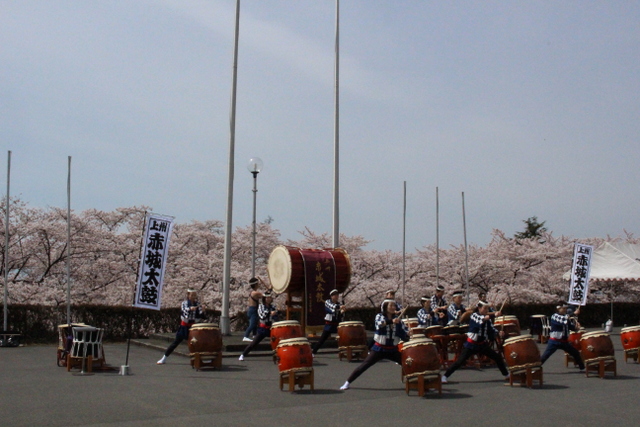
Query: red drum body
point(285, 330)
point(294, 354)
point(420, 356)
point(630, 337)
point(596, 346)
point(433, 331)
point(286, 268)
point(521, 352)
point(351, 334)
point(204, 338)
point(574, 339)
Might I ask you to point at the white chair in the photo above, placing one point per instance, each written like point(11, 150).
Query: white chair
point(87, 343)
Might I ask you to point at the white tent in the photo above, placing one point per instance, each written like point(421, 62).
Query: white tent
point(615, 261)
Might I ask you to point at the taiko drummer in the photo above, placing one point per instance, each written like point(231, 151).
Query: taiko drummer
point(191, 312)
point(334, 311)
point(481, 333)
point(561, 324)
point(388, 327)
point(267, 313)
point(439, 307)
point(456, 309)
point(424, 314)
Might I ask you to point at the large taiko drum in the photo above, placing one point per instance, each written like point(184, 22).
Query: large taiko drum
point(204, 338)
point(596, 346)
point(510, 325)
point(420, 356)
point(433, 331)
point(351, 334)
point(294, 354)
point(286, 268)
point(575, 337)
point(285, 330)
point(630, 337)
point(521, 352)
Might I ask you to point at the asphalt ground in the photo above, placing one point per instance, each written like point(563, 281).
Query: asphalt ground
point(35, 392)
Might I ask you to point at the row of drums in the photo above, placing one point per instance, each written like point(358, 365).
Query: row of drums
point(419, 355)
point(510, 325)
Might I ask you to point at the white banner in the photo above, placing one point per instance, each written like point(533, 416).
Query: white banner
point(579, 287)
point(155, 250)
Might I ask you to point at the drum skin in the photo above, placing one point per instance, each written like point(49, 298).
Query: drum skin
point(351, 334)
point(294, 354)
point(285, 330)
point(574, 339)
point(204, 338)
point(630, 337)
point(286, 268)
point(521, 352)
point(596, 345)
point(433, 331)
point(419, 356)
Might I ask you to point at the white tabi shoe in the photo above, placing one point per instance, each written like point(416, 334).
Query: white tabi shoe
point(443, 380)
point(162, 361)
point(345, 386)
point(241, 358)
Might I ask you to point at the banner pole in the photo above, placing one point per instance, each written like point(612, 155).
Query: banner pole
point(69, 242)
point(130, 327)
point(6, 245)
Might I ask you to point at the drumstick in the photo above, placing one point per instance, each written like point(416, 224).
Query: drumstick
point(402, 312)
point(503, 303)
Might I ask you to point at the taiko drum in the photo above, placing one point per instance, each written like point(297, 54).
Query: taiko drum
point(575, 337)
point(418, 332)
point(510, 325)
point(420, 356)
point(204, 338)
point(285, 330)
point(286, 268)
point(596, 345)
point(630, 337)
point(411, 322)
point(433, 331)
point(521, 352)
point(294, 354)
point(351, 334)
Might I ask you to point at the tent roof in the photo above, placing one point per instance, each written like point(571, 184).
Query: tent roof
point(617, 261)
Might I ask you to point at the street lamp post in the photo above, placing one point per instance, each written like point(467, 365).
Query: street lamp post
point(254, 166)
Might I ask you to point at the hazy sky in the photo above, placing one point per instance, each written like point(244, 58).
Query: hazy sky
point(530, 108)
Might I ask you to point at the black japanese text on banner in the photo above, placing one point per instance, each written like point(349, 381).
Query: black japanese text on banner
point(579, 287)
point(155, 250)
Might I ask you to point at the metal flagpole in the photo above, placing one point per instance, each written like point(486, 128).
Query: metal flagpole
point(69, 243)
point(404, 241)
point(466, 251)
point(6, 245)
point(225, 326)
point(336, 139)
point(437, 240)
